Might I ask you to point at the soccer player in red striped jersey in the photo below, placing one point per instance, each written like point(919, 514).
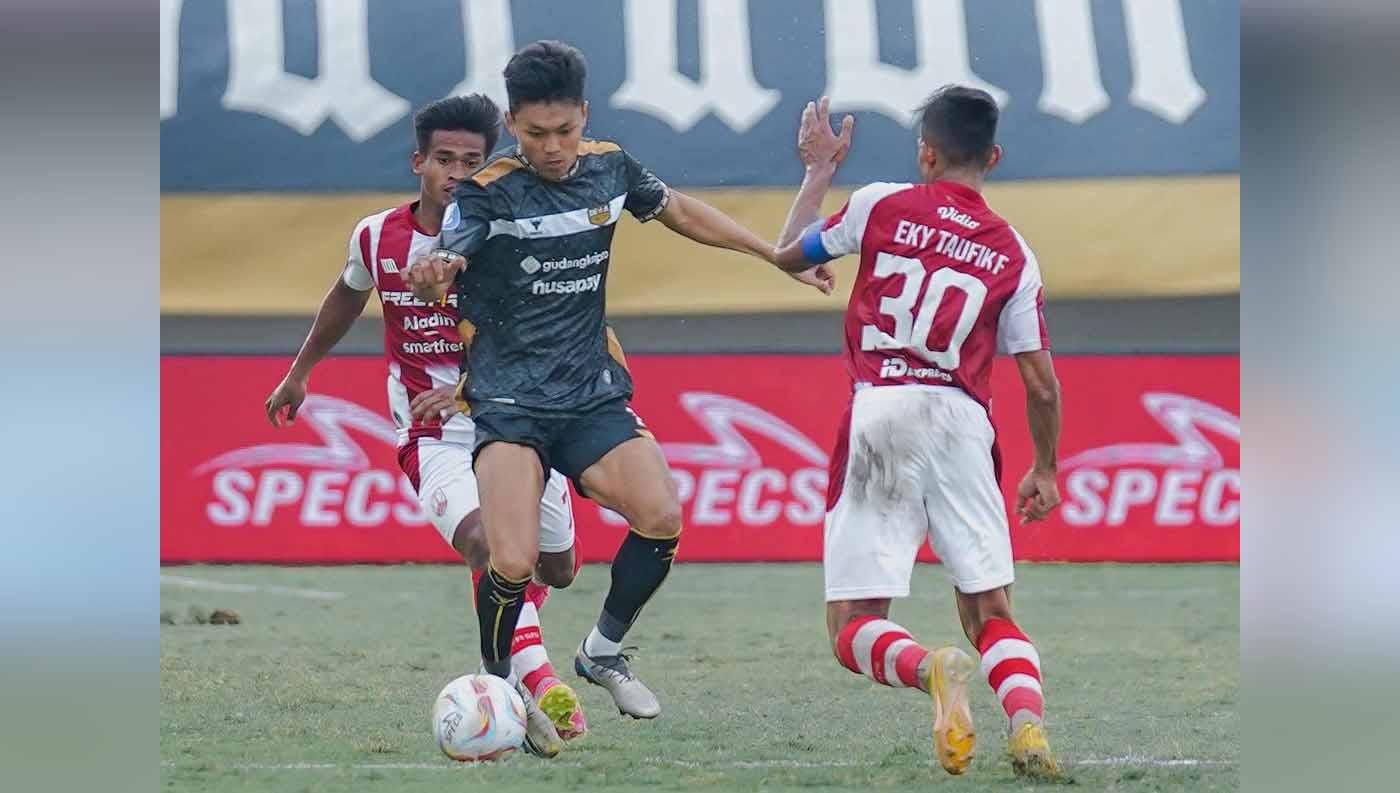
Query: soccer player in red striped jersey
point(422, 346)
point(944, 283)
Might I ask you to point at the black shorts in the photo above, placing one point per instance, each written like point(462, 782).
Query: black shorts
point(568, 443)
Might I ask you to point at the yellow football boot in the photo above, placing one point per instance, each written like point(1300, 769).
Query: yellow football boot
point(1030, 754)
point(954, 739)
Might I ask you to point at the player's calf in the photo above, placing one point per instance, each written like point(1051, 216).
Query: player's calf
point(530, 664)
point(633, 480)
point(499, 601)
point(638, 570)
point(871, 645)
point(1010, 662)
point(1011, 666)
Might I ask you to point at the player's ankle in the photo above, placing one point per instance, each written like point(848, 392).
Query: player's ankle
point(1023, 717)
point(925, 666)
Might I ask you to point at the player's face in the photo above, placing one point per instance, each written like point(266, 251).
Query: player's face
point(452, 156)
point(549, 134)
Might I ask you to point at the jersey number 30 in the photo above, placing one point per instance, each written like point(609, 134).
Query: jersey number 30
point(911, 331)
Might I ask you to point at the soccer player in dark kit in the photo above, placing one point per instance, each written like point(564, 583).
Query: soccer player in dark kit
point(527, 242)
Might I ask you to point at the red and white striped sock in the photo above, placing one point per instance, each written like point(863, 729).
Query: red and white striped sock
point(527, 654)
point(1012, 668)
point(528, 659)
point(882, 651)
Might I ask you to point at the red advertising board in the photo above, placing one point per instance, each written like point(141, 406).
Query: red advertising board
point(1149, 461)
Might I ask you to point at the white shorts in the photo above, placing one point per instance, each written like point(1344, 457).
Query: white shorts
point(447, 490)
point(919, 465)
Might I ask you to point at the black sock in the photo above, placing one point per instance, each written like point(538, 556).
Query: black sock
point(498, 604)
point(638, 570)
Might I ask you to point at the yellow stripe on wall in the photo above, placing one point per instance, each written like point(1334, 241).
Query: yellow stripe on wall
point(279, 253)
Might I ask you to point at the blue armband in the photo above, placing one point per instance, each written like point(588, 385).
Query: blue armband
point(812, 248)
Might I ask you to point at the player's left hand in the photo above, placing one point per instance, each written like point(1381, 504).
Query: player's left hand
point(285, 400)
point(817, 144)
point(1037, 496)
point(430, 276)
point(439, 404)
point(822, 278)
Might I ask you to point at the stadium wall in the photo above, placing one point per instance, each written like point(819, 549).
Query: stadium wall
point(277, 96)
point(1149, 462)
point(277, 254)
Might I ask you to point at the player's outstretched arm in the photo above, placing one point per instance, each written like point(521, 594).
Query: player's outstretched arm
point(701, 222)
point(1038, 493)
point(690, 217)
point(341, 305)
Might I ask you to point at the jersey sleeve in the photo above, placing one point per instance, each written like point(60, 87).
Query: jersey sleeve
point(646, 194)
point(842, 233)
point(1021, 327)
point(356, 274)
point(467, 222)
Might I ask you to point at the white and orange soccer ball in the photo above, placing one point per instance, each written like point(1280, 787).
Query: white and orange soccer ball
point(478, 718)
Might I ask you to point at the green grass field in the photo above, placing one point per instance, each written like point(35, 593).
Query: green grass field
point(326, 684)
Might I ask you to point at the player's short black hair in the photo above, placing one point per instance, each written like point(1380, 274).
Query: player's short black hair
point(961, 122)
point(545, 71)
point(473, 113)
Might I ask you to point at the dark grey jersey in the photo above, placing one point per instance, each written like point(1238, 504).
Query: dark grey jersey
point(532, 295)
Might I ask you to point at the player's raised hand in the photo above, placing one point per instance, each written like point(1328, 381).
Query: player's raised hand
point(822, 278)
point(285, 398)
point(817, 144)
point(1037, 496)
point(430, 276)
point(439, 404)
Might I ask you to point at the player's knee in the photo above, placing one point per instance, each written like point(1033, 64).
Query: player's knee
point(515, 564)
point(661, 523)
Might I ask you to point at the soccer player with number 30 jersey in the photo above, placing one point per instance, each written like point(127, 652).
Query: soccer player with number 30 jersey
point(943, 284)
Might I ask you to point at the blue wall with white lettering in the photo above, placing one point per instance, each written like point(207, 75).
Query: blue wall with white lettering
point(1110, 88)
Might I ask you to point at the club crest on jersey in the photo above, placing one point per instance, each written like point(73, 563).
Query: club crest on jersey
point(600, 215)
point(452, 218)
point(530, 265)
point(439, 502)
point(389, 265)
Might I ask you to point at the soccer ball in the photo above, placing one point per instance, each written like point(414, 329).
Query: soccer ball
point(478, 718)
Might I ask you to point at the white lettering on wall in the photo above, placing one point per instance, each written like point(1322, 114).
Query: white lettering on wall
point(490, 37)
point(342, 90)
point(1072, 88)
point(726, 86)
point(1163, 82)
point(856, 79)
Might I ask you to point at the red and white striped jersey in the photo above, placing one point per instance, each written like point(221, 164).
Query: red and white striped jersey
point(421, 342)
point(944, 283)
